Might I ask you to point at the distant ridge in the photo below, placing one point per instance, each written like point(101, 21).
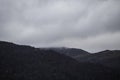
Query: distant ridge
point(72, 52)
point(109, 58)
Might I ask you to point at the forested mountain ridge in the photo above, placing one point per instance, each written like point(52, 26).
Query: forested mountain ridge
point(109, 58)
point(19, 62)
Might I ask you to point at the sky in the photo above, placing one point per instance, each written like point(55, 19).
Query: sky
point(92, 25)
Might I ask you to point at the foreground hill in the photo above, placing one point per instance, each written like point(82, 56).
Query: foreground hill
point(18, 62)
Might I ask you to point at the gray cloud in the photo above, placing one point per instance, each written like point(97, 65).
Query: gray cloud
point(71, 23)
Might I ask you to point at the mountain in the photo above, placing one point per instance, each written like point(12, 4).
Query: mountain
point(20, 62)
point(72, 52)
point(109, 58)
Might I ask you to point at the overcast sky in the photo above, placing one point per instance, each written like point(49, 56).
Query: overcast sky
point(92, 25)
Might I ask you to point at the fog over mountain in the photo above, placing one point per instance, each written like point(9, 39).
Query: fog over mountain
point(92, 25)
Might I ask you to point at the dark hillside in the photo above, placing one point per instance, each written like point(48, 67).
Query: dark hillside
point(18, 62)
point(109, 58)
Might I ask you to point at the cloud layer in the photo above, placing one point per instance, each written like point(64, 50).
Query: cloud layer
point(92, 25)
